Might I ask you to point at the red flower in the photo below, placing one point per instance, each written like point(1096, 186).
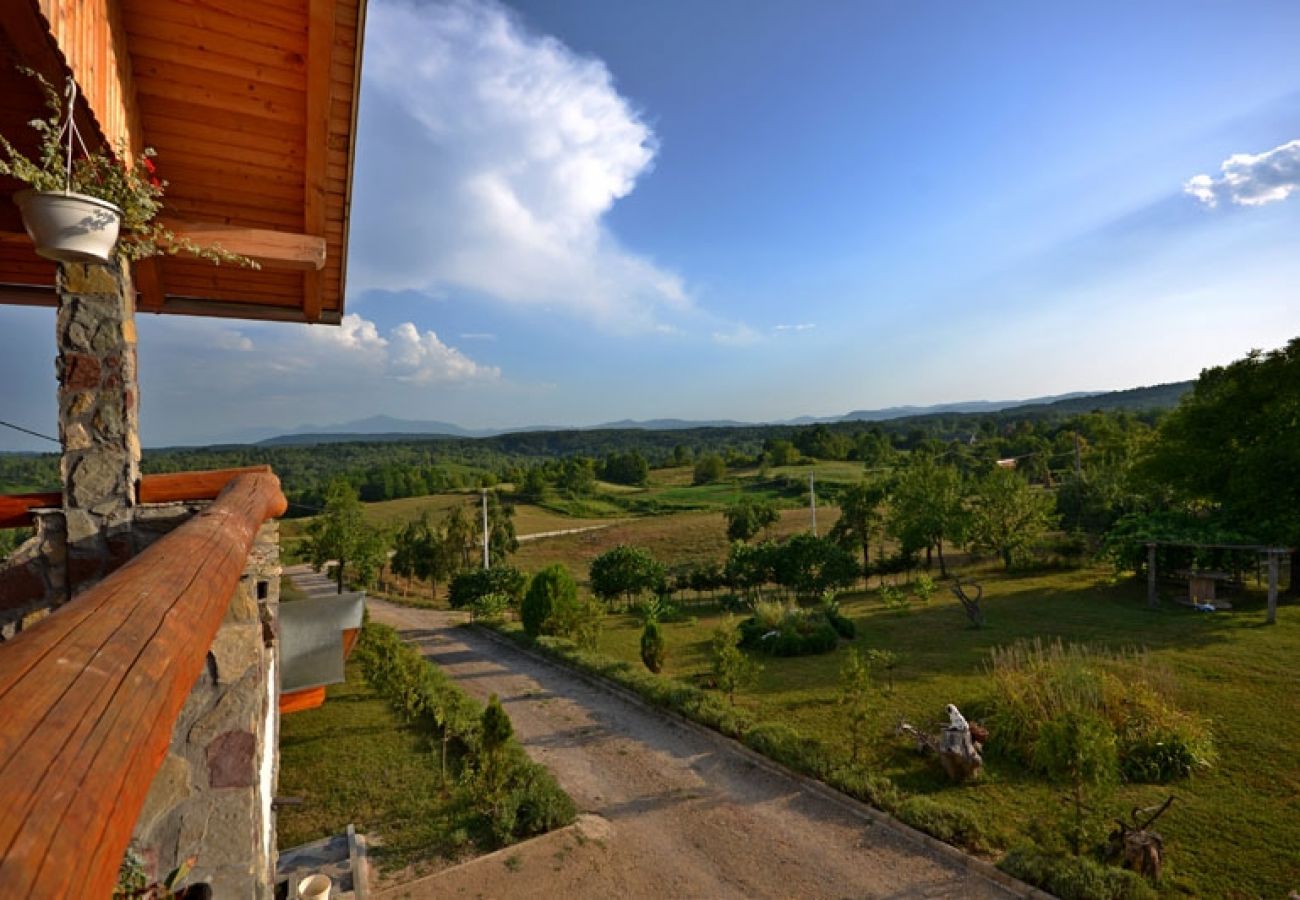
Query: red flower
point(148, 164)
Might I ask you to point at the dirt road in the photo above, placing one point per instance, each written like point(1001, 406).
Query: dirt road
point(691, 816)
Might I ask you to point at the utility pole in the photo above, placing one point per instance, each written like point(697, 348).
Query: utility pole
point(486, 562)
point(812, 499)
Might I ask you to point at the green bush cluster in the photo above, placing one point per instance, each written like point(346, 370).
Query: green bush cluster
point(787, 630)
point(1074, 877)
point(653, 649)
point(1035, 683)
point(470, 585)
point(516, 797)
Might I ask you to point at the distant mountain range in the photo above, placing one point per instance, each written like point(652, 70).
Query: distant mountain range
point(381, 427)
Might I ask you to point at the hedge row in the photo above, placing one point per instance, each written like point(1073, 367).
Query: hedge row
point(517, 797)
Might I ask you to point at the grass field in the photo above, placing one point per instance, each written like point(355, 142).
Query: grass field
point(353, 761)
point(1233, 830)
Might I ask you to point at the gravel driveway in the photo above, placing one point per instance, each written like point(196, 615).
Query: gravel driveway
point(691, 816)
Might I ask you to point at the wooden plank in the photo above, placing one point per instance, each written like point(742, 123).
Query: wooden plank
point(273, 249)
point(320, 40)
point(148, 281)
point(28, 295)
point(16, 509)
point(94, 704)
point(297, 701)
point(179, 486)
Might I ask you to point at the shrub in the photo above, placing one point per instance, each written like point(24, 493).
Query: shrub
point(489, 607)
point(653, 649)
point(785, 745)
point(924, 587)
point(895, 599)
point(1036, 683)
point(1074, 877)
point(732, 669)
point(948, 823)
point(550, 590)
point(789, 631)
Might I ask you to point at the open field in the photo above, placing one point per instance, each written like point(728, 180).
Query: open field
point(1232, 831)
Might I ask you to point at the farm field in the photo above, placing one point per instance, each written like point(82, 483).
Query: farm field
point(1231, 830)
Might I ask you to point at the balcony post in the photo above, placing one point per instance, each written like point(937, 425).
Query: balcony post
point(99, 421)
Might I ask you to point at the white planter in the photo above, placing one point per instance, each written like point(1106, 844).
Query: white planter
point(68, 227)
point(314, 887)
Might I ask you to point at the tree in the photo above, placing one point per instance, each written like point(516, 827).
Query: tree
point(1078, 749)
point(861, 517)
point(1232, 447)
point(748, 517)
point(709, 469)
point(502, 540)
point(855, 697)
point(927, 508)
point(495, 732)
point(577, 476)
point(811, 565)
point(653, 649)
point(780, 452)
point(533, 486)
point(820, 442)
point(341, 538)
point(626, 468)
point(626, 571)
point(1007, 516)
point(550, 588)
point(732, 668)
point(407, 545)
point(461, 537)
point(473, 584)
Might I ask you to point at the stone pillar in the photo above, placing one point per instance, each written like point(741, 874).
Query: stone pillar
point(98, 416)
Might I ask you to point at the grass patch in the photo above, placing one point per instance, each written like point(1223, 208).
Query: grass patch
point(353, 761)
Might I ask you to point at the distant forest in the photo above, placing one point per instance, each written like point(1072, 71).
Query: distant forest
point(385, 467)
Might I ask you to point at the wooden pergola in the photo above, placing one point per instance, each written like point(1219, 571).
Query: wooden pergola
point(252, 109)
point(1272, 554)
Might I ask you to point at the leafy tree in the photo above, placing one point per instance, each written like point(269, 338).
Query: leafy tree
point(750, 566)
point(341, 538)
point(461, 537)
point(1007, 515)
point(855, 697)
point(748, 517)
point(681, 455)
point(577, 619)
point(1077, 748)
point(927, 508)
point(626, 571)
point(820, 442)
point(653, 649)
point(861, 517)
point(709, 468)
point(533, 487)
point(780, 452)
point(577, 476)
point(549, 591)
point(1232, 447)
point(629, 467)
point(502, 540)
point(495, 732)
point(811, 565)
point(732, 667)
point(473, 584)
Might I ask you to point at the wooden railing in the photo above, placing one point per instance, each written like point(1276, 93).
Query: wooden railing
point(90, 695)
point(16, 509)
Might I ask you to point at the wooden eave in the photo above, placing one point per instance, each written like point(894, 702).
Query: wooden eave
point(252, 110)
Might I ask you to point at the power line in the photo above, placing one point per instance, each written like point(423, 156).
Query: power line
point(28, 431)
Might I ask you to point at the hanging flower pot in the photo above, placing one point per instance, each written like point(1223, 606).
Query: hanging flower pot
point(70, 227)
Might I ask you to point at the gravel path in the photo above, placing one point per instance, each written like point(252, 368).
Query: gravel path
point(691, 817)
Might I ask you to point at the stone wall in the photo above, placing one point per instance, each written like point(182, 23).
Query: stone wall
point(212, 796)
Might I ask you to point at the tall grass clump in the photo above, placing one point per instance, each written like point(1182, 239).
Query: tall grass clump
point(1035, 683)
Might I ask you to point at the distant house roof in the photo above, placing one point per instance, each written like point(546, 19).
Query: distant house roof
point(252, 109)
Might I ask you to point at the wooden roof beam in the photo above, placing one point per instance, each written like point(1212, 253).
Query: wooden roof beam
point(272, 249)
point(320, 44)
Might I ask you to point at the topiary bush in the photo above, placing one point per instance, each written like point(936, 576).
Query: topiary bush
point(653, 649)
point(549, 592)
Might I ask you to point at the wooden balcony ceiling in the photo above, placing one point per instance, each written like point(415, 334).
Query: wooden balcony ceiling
point(252, 109)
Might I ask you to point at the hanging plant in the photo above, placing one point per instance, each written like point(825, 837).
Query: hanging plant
point(89, 207)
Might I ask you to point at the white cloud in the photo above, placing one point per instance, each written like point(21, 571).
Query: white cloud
point(490, 158)
point(802, 326)
point(405, 355)
point(478, 336)
point(739, 335)
point(1251, 180)
point(228, 339)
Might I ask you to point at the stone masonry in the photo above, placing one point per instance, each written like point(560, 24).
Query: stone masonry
point(99, 417)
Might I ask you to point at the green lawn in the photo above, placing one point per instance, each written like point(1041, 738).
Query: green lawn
point(1233, 831)
point(353, 761)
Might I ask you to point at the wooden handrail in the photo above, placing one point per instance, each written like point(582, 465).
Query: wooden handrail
point(91, 694)
point(16, 509)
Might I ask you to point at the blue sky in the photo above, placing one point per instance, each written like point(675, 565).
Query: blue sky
point(573, 212)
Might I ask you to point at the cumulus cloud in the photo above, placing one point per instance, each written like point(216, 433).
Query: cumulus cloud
point(1251, 180)
point(407, 354)
point(490, 158)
